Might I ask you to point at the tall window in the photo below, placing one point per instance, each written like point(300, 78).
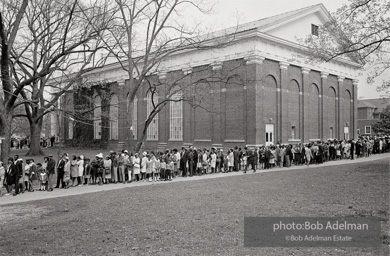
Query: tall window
point(331, 132)
point(97, 118)
point(293, 132)
point(152, 132)
point(114, 111)
point(367, 129)
point(176, 118)
point(135, 117)
point(70, 129)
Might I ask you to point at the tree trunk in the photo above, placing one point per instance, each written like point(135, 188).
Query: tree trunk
point(140, 141)
point(129, 123)
point(35, 132)
point(5, 130)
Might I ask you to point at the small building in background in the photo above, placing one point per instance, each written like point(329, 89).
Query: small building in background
point(369, 113)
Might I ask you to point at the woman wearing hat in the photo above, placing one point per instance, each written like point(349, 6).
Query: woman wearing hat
point(136, 167)
point(74, 172)
point(144, 162)
point(98, 167)
point(66, 172)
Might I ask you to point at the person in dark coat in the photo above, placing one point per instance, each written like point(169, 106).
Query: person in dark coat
point(18, 168)
point(51, 166)
point(195, 159)
point(10, 175)
point(236, 155)
point(352, 148)
point(250, 159)
point(267, 157)
point(358, 149)
point(320, 152)
point(60, 172)
point(183, 161)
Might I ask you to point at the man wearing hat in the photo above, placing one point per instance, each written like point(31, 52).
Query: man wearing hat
point(51, 165)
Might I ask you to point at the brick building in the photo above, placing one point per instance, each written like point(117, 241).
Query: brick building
point(278, 96)
point(369, 112)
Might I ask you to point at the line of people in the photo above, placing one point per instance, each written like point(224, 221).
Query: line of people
point(165, 165)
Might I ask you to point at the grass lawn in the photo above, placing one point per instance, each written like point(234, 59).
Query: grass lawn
point(197, 217)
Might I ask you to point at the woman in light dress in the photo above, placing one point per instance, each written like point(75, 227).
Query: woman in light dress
point(107, 170)
point(230, 160)
point(74, 170)
point(80, 168)
point(308, 154)
point(144, 162)
point(213, 160)
point(273, 157)
point(137, 167)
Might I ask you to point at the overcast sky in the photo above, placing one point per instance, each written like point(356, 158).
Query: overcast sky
point(227, 12)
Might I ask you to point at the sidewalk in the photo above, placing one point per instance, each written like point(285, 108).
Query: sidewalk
point(39, 195)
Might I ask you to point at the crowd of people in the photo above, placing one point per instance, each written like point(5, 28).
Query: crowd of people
point(22, 143)
point(150, 166)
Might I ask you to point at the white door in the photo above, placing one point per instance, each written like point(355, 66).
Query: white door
point(269, 134)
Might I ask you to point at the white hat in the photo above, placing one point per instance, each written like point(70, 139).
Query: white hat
point(100, 155)
point(144, 153)
point(126, 151)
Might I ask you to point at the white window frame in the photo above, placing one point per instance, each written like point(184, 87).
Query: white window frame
point(331, 133)
point(135, 118)
point(365, 129)
point(293, 133)
point(152, 132)
point(70, 129)
point(114, 124)
point(176, 118)
point(314, 29)
point(97, 123)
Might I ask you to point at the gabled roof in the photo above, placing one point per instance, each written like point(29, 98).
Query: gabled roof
point(363, 104)
point(272, 22)
point(378, 104)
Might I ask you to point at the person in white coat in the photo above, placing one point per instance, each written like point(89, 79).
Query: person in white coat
point(144, 163)
point(136, 167)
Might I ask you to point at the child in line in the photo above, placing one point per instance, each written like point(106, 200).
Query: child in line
point(42, 177)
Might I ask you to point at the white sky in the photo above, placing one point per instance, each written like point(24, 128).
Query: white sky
point(227, 12)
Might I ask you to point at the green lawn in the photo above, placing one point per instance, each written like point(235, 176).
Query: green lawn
point(196, 217)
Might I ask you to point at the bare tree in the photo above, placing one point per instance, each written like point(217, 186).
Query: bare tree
point(54, 39)
point(358, 31)
point(147, 33)
point(8, 33)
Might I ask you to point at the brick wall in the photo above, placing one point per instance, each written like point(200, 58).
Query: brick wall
point(243, 98)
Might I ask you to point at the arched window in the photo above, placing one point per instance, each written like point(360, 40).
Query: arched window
point(152, 132)
point(97, 117)
point(135, 117)
point(114, 111)
point(176, 116)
